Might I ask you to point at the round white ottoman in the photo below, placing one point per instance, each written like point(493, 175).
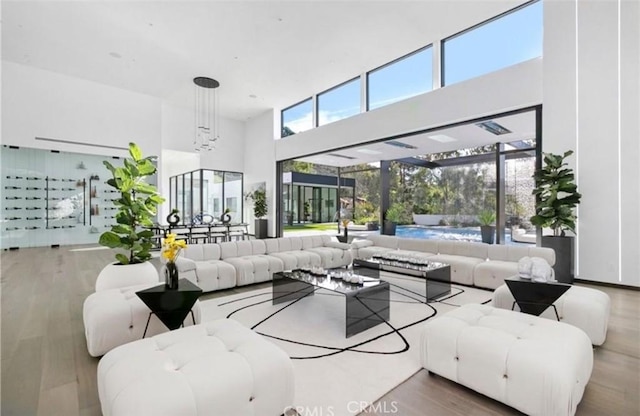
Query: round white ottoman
point(535, 365)
point(583, 307)
point(215, 368)
point(113, 317)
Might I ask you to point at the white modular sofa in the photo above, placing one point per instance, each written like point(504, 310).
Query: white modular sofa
point(478, 264)
point(535, 365)
point(216, 368)
point(238, 263)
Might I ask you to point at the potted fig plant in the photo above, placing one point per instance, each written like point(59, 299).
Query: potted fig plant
point(556, 199)
point(487, 219)
point(136, 208)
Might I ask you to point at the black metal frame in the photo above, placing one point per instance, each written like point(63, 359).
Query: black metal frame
point(290, 107)
point(391, 63)
point(469, 29)
point(200, 173)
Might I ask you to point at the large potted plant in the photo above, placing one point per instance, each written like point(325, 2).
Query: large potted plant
point(557, 197)
point(137, 207)
point(487, 219)
point(260, 209)
point(393, 216)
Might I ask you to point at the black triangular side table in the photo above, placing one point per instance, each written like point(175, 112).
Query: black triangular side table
point(171, 306)
point(534, 298)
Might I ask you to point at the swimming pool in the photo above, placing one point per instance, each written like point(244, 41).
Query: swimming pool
point(445, 233)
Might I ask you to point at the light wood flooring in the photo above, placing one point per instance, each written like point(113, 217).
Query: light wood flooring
point(46, 369)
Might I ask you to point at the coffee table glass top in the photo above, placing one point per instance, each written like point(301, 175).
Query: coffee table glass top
point(332, 283)
point(406, 261)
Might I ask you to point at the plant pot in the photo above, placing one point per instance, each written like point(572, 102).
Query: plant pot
point(388, 228)
point(488, 233)
point(564, 268)
point(116, 275)
point(289, 219)
point(372, 226)
point(262, 228)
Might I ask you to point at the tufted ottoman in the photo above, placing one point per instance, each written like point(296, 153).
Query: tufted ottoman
point(535, 365)
point(583, 307)
point(215, 368)
point(113, 317)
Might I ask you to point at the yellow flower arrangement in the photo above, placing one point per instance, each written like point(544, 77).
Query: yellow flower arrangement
point(171, 247)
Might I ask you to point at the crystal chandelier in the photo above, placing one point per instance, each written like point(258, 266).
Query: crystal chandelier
point(206, 113)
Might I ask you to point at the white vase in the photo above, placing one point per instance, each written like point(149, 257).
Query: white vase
point(117, 275)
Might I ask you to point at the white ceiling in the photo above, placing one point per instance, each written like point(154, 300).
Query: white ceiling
point(466, 136)
point(278, 51)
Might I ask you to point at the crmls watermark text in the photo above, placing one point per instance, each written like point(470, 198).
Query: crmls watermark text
point(351, 407)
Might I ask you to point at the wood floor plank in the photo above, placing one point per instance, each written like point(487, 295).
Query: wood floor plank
point(59, 401)
point(21, 379)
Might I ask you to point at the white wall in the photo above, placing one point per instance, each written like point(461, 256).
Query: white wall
point(591, 105)
point(179, 155)
point(511, 88)
point(260, 163)
point(39, 103)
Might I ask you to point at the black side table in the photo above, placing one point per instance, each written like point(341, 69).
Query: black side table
point(171, 306)
point(534, 298)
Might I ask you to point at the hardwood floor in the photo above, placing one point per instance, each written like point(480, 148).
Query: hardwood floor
point(46, 369)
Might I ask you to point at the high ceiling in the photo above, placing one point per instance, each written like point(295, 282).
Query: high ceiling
point(266, 54)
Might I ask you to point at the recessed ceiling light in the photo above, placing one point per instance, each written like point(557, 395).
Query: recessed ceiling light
point(400, 144)
point(115, 55)
point(442, 138)
point(341, 156)
point(369, 151)
point(493, 127)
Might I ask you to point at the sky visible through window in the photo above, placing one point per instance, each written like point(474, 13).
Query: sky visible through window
point(513, 38)
point(401, 79)
point(297, 118)
point(339, 103)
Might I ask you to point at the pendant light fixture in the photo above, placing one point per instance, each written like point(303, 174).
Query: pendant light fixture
point(206, 113)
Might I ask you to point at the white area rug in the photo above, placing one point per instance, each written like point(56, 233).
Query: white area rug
point(333, 374)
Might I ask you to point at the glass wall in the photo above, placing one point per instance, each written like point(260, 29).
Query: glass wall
point(340, 102)
point(401, 79)
point(233, 195)
point(210, 192)
point(512, 38)
point(297, 118)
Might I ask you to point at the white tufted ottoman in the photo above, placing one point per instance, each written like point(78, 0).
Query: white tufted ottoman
point(535, 365)
point(113, 317)
point(215, 368)
point(586, 308)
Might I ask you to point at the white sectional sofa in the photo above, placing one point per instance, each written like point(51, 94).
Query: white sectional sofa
point(239, 263)
point(477, 264)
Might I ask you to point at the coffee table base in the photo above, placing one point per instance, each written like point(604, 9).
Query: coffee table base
point(364, 308)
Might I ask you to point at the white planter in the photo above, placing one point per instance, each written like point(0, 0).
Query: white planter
point(117, 275)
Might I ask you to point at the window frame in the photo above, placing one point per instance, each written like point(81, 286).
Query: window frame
point(289, 108)
point(408, 55)
point(317, 98)
point(443, 81)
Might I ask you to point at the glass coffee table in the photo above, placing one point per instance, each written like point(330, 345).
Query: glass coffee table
point(367, 304)
point(437, 275)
